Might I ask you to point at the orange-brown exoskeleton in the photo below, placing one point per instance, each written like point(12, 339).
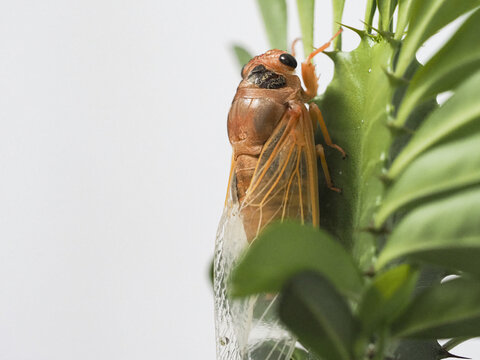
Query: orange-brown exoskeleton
point(274, 169)
point(273, 177)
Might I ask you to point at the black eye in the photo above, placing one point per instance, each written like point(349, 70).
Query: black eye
point(288, 60)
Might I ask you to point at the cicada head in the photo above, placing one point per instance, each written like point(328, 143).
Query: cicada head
point(270, 70)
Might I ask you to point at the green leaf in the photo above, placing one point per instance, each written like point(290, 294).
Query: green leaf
point(443, 311)
point(274, 13)
point(427, 17)
point(356, 108)
point(369, 14)
point(338, 6)
point(445, 232)
point(242, 55)
point(283, 250)
point(313, 309)
point(445, 168)
point(414, 349)
point(456, 61)
point(460, 111)
point(386, 9)
point(452, 343)
point(306, 12)
point(403, 17)
point(387, 296)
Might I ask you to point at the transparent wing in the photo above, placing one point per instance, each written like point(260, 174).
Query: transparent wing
point(232, 317)
point(247, 328)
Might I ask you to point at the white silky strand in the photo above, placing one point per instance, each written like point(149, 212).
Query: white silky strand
point(248, 328)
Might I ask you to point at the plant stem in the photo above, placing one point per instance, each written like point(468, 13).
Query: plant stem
point(380, 345)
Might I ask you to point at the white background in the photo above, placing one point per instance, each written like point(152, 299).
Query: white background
point(113, 167)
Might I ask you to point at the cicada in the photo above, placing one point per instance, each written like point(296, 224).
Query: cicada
point(273, 177)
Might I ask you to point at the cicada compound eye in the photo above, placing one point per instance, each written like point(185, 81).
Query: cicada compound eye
point(289, 60)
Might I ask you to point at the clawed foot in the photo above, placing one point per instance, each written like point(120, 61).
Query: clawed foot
point(333, 188)
point(335, 146)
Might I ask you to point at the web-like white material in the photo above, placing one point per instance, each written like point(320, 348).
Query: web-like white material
point(249, 328)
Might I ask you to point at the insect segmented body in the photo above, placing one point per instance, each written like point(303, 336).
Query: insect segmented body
point(273, 176)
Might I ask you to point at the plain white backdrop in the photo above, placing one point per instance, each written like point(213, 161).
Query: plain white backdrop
point(113, 168)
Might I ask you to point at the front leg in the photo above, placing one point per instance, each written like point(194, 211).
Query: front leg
point(309, 77)
point(310, 80)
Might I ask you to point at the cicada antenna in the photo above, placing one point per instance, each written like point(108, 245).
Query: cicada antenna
point(294, 42)
point(323, 47)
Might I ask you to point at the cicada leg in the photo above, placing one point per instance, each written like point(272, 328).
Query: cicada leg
point(308, 70)
point(323, 162)
point(315, 113)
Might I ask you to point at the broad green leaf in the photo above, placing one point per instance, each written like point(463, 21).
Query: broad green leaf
point(444, 311)
point(445, 168)
point(356, 109)
point(460, 111)
point(314, 311)
point(242, 55)
point(283, 250)
point(387, 296)
point(274, 13)
point(445, 232)
point(456, 61)
point(386, 9)
point(427, 17)
point(338, 6)
point(306, 12)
